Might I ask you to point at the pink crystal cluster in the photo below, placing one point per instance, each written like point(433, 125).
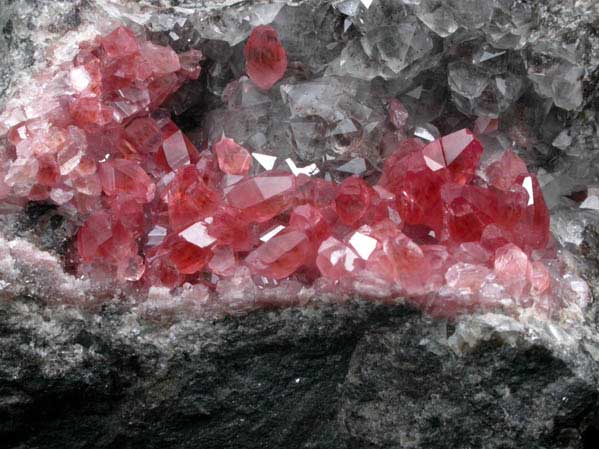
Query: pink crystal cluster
point(156, 211)
point(90, 144)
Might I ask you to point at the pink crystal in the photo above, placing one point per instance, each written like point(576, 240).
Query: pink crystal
point(398, 114)
point(144, 135)
point(466, 277)
point(504, 172)
point(511, 267)
point(484, 125)
point(189, 198)
point(353, 199)
point(120, 176)
point(335, 259)
point(309, 219)
point(539, 278)
point(262, 197)
point(280, 256)
point(176, 151)
point(233, 159)
point(162, 59)
point(223, 262)
point(121, 42)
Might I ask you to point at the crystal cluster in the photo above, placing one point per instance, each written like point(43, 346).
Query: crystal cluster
point(90, 144)
point(325, 182)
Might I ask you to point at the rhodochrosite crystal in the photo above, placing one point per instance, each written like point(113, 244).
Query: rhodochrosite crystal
point(441, 226)
point(97, 149)
point(265, 57)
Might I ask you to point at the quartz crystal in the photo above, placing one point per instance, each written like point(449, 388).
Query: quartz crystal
point(335, 156)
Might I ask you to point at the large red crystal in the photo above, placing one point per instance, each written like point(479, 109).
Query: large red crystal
point(265, 57)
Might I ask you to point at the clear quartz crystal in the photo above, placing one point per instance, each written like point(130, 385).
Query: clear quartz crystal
point(438, 16)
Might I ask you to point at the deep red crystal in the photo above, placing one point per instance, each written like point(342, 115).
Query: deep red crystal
point(265, 57)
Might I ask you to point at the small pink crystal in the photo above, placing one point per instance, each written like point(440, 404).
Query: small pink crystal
point(121, 42)
point(511, 267)
point(262, 197)
point(398, 114)
point(233, 159)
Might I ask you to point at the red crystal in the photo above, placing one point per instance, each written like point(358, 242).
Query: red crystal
point(185, 256)
point(531, 230)
point(176, 150)
point(120, 176)
point(458, 152)
point(88, 112)
point(265, 57)
point(353, 199)
point(121, 42)
point(231, 230)
point(309, 219)
point(95, 231)
point(189, 199)
point(144, 135)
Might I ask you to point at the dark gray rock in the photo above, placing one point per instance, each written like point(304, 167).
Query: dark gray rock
point(353, 376)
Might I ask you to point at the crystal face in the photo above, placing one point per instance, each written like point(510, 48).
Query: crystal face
point(322, 172)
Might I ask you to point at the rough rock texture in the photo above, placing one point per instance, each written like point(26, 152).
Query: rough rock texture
point(359, 376)
point(355, 376)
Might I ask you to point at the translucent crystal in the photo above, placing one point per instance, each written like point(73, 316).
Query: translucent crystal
point(398, 47)
point(349, 167)
point(438, 16)
point(510, 24)
point(479, 91)
point(557, 79)
point(472, 14)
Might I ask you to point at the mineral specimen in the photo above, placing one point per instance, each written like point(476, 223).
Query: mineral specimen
point(363, 198)
point(265, 57)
